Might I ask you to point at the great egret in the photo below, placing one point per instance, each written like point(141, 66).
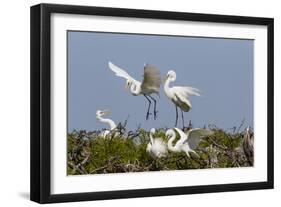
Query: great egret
point(248, 145)
point(187, 142)
point(149, 85)
point(179, 95)
point(156, 147)
point(112, 125)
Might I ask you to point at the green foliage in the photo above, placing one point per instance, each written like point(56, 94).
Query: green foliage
point(88, 153)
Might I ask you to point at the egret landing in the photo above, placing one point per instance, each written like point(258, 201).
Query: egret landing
point(149, 85)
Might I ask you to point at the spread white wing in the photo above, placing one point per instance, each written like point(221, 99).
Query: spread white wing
point(186, 91)
point(120, 72)
point(194, 136)
point(181, 95)
point(151, 79)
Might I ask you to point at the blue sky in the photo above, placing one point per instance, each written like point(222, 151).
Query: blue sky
point(222, 69)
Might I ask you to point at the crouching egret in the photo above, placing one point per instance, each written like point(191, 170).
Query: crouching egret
point(156, 147)
point(149, 85)
point(187, 142)
point(179, 95)
point(112, 125)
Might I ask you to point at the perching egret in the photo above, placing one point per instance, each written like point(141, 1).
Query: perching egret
point(179, 95)
point(156, 147)
point(112, 125)
point(149, 85)
point(187, 142)
point(248, 145)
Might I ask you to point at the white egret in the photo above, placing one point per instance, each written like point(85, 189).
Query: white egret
point(149, 85)
point(179, 95)
point(248, 145)
point(156, 147)
point(187, 142)
point(112, 125)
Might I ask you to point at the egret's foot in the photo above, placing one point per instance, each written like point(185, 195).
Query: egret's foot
point(155, 115)
point(147, 115)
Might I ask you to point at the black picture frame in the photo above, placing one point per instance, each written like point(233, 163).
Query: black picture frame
point(41, 98)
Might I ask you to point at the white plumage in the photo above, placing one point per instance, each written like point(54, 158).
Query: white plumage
point(187, 142)
point(179, 95)
point(149, 85)
point(112, 125)
point(156, 147)
point(123, 74)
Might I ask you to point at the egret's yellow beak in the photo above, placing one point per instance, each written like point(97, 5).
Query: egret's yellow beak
point(106, 112)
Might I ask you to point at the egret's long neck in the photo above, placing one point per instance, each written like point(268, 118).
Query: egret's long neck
point(167, 86)
point(151, 137)
point(170, 142)
point(111, 123)
point(135, 88)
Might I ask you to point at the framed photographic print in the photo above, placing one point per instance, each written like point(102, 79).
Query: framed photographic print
point(132, 103)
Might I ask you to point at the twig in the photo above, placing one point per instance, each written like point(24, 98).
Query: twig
point(98, 169)
point(217, 145)
point(242, 123)
point(76, 168)
point(107, 165)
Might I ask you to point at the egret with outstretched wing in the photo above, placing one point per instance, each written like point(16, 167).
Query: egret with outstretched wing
point(179, 95)
point(150, 84)
point(188, 142)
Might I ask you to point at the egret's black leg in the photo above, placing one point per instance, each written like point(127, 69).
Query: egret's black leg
point(148, 109)
point(155, 111)
point(176, 116)
point(182, 119)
